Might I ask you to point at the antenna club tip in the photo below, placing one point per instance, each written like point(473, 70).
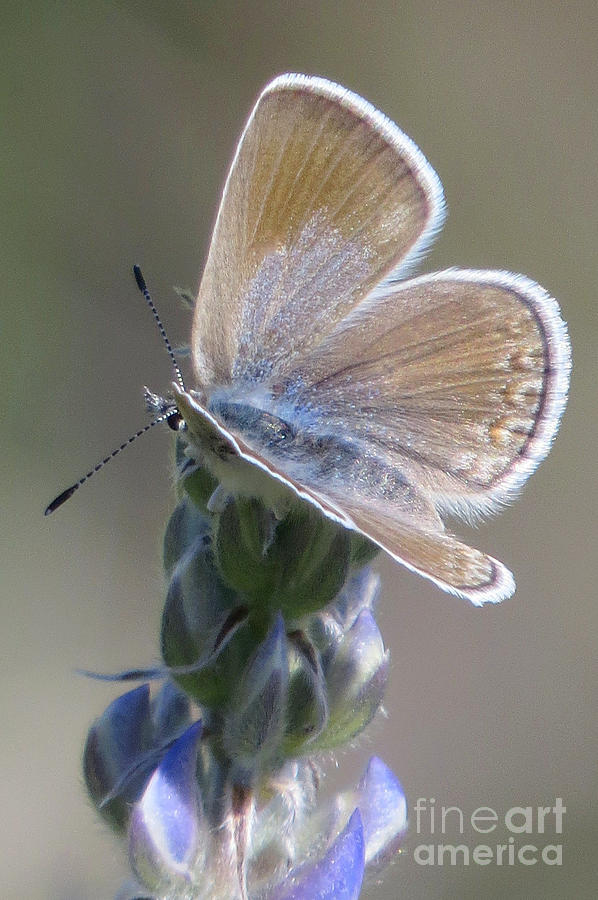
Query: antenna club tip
point(62, 498)
point(139, 279)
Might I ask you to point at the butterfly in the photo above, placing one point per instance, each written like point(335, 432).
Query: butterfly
point(324, 371)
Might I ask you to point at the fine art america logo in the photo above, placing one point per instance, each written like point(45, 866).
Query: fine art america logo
point(527, 835)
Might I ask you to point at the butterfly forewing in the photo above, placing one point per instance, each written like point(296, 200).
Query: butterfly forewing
point(325, 197)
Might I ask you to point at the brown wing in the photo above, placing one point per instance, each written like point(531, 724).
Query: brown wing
point(453, 566)
point(325, 197)
point(457, 379)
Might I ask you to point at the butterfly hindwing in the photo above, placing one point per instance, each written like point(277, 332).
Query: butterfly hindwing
point(458, 379)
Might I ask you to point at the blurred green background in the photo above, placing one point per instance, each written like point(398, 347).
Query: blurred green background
point(120, 120)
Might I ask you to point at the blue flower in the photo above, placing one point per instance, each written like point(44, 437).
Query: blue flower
point(125, 744)
point(295, 848)
point(338, 876)
point(167, 833)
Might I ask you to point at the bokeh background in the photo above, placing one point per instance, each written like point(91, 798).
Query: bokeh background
point(120, 120)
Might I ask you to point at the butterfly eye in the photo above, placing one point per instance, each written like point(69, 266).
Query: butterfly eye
point(176, 422)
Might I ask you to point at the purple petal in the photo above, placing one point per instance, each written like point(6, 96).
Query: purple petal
point(383, 810)
point(170, 712)
point(366, 638)
point(116, 741)
point(270, 655)
point(338, 876)
point(128, 719)
point(360, 592)
point(165, 830)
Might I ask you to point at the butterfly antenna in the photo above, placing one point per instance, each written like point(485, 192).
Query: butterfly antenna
point(167, 411)
point(66, 495)
point(143, 288)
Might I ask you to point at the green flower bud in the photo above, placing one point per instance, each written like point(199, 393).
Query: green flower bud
point(363, 551)
point(356, 670)
point(198, 483)
point(307, 712)
point(243, 537)
point(186, 527)
point(201, 614)
point(297, 565)
point(254, 725)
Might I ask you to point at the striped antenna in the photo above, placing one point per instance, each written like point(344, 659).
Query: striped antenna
point(143, 288)
point(66, 495)
point(168, 411)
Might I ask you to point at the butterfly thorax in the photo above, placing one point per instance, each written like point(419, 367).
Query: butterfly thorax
point(243, 444)
point(259, 427)
point(221, 434)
